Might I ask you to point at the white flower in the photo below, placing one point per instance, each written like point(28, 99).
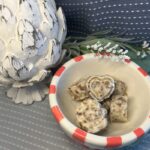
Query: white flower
point(88, 46)
point(116, 46)
point(138, 53)
point(119, 54)
point(109, 50)
point(107, 45)
point(125, 52)
point(126, 57)
point(114, 51)
point(145, 44)
point(99, 45)
point(100, 49)
point(120, 51)
point(143, 55)
point(94, 47)
point(98, 42)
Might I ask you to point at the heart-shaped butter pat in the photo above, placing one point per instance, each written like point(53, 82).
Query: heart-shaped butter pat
point(100, 87)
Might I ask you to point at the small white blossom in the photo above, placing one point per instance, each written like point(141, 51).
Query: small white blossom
point(98, 42)
point(109, 50)
point(114, 51)
point(125, 52)
point(145, 44)
point(116, 46)
point(99, 45)
point(120, 51)
point(138, 53)
point(93, 46)
point(107, 45)
point(119, 54)
point(88, 46)
point(143, 55)
point(126, 57)
point(100, 49)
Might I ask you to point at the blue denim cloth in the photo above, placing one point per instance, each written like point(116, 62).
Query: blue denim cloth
point(86, 16)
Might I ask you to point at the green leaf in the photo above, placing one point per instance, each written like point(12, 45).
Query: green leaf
point(102, 32)
point(117, 39)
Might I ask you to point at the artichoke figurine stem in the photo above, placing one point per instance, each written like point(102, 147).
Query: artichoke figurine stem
point(28, 95)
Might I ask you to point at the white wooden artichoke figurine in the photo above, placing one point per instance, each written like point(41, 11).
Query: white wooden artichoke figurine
point(31, 37)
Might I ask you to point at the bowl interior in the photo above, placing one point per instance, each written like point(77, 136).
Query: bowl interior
point(138, 91)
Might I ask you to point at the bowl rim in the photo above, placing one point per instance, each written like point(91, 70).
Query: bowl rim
point(82, 136)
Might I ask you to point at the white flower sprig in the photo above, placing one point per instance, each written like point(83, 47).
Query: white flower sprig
point(145, 50)
point(115, 53)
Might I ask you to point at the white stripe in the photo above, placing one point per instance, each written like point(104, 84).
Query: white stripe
point(53, 100)
point(146, 125)
point(69, 63)
point(68, 127)
point(95, 141)
point(128, 138)
point(55, 80)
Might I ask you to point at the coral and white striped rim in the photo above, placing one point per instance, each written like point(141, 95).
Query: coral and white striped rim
point(88, 139)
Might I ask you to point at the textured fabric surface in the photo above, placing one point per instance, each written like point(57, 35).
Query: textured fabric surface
point(30, 127)
point(34, 128)
point(86, 16)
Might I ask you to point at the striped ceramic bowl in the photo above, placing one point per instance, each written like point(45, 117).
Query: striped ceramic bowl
point(117, 134)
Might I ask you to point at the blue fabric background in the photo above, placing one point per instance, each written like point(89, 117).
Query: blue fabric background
point(86, 16)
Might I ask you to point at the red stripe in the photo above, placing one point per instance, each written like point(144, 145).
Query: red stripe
point(57, 113)
point(79, 135)
point(52, 89)
point(143, 71)
point(127, 61)
point(79, 58)
point(139, 132)
point(60, 71)
point(114, 141)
